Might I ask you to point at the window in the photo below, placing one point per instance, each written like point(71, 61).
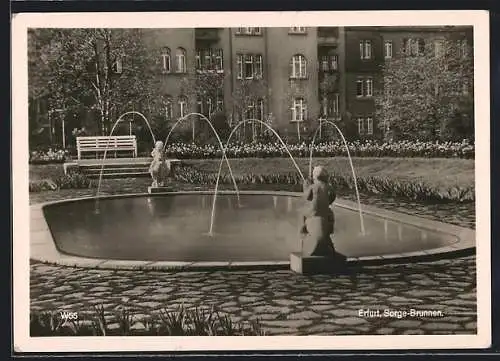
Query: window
point(388, 49)
point(335, 104)
point(248, 31)
point(462, 48)
point(248, 66)
point(199, 106)
point(258, 66)
point(328, 63)
point(249, 112)
point(198, 60)
point(180, 58)
point(420, 47)
point(219, 60)
point(369, 125)
point(334, 62)
point(118, 66)
point(182, 106)
point(439, 48)
point(260, 109)
point(365, 49)
point(165, 60)
point(365, 125)
point(361, 126)
point(297, 30)
point(359, 87)
point(325, 66)
point(168, 108)
point(330, 106)
point(207, 59)
point(299, 110)
point(220, 104)
point(414, 47)
point(239, 65)
point(298, 67)
point(364, 87)
point(369, 87)
point(209, 107)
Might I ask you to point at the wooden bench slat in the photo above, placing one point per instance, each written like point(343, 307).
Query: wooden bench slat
point(105, 143)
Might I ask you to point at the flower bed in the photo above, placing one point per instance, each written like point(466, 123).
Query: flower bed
point(414, 190)
point(73, 180)
point(180, 322)
point(356, 149)
point(49, 156)
point(367, 148)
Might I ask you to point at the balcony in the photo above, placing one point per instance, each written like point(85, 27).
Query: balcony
point(207, 34)
point(328, 36)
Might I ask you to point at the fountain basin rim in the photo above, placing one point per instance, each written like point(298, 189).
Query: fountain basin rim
point(43, 248)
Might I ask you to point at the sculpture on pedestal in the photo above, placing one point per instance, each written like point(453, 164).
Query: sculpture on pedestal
point(318, 219)
point(159, 168)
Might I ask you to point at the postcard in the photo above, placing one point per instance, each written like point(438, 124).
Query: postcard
point(207, 181)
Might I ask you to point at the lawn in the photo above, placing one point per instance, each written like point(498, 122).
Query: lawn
point(438, 172)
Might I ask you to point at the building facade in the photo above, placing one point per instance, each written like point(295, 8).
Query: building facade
point(287, 77)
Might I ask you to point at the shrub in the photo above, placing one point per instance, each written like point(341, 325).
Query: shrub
point(72, 180)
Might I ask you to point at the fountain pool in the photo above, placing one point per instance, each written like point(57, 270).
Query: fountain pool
point(172, 228)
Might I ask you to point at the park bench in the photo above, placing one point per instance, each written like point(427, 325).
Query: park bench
point(113, 144)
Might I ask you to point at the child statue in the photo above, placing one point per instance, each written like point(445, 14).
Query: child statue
point(318, 218)
point(157, 167)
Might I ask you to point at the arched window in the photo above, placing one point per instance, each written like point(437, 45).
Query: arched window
point(165, 60)
point(168, 107)
point(299, 110)
point(180, 60)
point(298, 66)
point(182, 106)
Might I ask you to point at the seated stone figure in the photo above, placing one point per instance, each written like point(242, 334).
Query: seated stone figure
point(318, 218)
point(158, 168)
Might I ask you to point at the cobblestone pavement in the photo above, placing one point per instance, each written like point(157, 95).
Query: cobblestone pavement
point(284, 302)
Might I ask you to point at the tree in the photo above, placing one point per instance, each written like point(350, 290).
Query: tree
point(102, 70)
point(425, 88)
point(248, 101)
point(207, 87)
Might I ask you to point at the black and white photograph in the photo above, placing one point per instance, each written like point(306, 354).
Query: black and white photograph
point(286, 175)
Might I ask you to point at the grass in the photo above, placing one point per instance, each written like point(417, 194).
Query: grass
point(437, 172)
point(429, 180)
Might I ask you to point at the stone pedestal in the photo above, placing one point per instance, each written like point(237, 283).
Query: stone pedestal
point(153, 190)
point(302, 264)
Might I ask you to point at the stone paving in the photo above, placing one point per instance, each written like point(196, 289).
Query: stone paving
point(285, 303)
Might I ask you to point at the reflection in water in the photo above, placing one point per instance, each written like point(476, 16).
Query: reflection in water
point(173, 228)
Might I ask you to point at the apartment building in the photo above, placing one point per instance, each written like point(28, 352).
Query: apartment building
point(289, 77)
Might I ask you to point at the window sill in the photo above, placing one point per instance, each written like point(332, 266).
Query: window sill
point(296, 121)
point(243, 34)
point(299, 78)
point(297, 33)
point(364, 97)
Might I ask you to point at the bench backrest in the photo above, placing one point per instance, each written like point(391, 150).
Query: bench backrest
point(116, 141)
